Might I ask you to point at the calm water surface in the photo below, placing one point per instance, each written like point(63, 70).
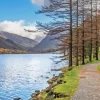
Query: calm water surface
point(21, 75)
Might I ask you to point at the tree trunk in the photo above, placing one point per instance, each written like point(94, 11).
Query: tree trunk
point(83, 50)
point(70, 44)
point(77, 38)
point(90, 56)
point(97, 49)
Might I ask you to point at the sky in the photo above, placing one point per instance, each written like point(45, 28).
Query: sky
point(15, 15)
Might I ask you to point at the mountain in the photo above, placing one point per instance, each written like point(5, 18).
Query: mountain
point(17, 39)
point(9, 44)
point(47, 43)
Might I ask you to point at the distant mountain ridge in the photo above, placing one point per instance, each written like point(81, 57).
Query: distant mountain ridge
point(13, 41)
point(9, 44)
point(23, 41)
point(47, 43)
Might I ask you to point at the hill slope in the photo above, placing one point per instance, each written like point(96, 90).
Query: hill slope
point(46, 44)
point(9, 44)
point(23, 41)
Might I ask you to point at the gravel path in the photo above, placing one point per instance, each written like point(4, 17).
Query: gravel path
point(89, 85)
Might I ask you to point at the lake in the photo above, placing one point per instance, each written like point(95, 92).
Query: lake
point(22, 74)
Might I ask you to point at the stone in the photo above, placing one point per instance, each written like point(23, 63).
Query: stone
point(48, 89)
point(60, 82)
point(61, 75)
point(37, 92)
point(17, 99)
point(47, 77)
point(33, 95)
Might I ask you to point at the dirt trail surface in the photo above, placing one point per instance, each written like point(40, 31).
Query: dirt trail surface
point(89, 84)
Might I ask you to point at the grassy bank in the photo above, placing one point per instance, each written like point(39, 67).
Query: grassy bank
point(67, 89)
point(98, 68)
point(63, 87)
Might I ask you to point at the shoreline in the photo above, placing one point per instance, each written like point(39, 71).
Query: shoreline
point(51, 92)
point(37, 94)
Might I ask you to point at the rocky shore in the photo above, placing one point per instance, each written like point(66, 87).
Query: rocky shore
point(48, 92)
point(61, 87)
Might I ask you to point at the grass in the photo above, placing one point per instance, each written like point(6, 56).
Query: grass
point(68, 88)
point(98, 68)
point(94, 61)
point(72, 80)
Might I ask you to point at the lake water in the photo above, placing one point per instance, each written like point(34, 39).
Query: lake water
point(21, 75)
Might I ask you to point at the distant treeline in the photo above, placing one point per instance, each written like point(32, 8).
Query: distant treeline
point(10, 51)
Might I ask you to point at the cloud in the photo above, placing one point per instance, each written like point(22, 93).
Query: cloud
point(38, 2)
point(41, 2)
point(17, 27)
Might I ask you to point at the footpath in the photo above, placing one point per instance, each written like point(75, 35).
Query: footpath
point(89, 84)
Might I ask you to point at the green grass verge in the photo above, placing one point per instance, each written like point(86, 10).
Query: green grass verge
point(68, 88)
point(94, 61)
point(98, 68)
point(72, 79)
